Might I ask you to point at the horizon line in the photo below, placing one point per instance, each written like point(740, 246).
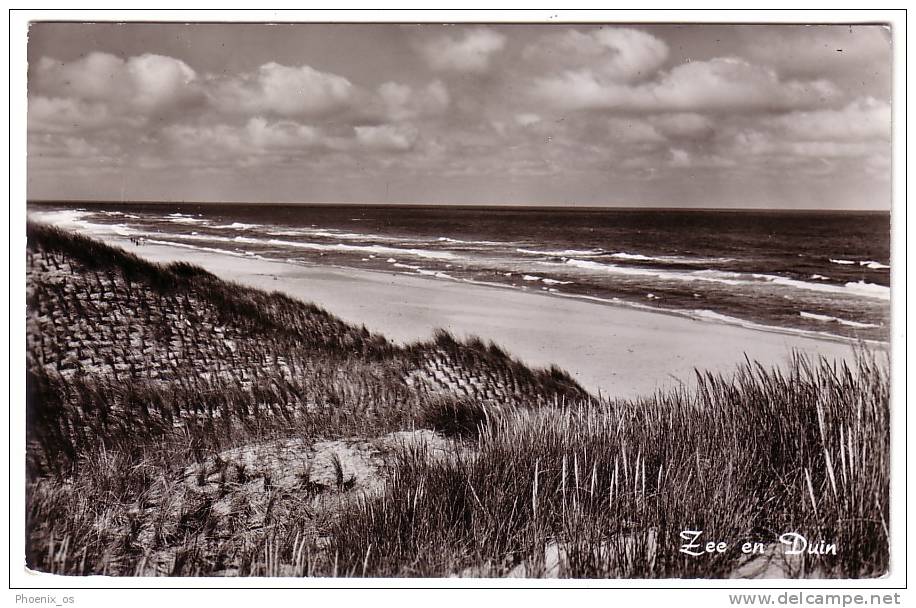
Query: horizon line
point(454, 205)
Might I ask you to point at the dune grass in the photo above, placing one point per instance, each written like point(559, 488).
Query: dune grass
point(606, 489)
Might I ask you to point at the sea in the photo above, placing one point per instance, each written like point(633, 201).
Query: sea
point(808, 272)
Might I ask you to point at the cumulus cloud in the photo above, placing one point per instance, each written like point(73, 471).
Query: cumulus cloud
point(470, 52)
point(613, 54)
point(147, 83)
point(526, 119)
point(863, 119)
point(205, 140)
point(257, 140)
point(632, 130)
point(402, 102)
point(283, 91)
point(62, 114)
point(679, 158)
point(722, 84)
point(386, 137)
point(282, 134)
point(684, 125)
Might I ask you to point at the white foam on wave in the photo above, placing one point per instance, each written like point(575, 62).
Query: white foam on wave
point(873, 265)
point(668, 259)
point(446, 239)
point(715, 317)
point(333, 233)
point(624, 255)
point(237, 254)
point(237, 226)
point(180, 218)
point(286, 232)
point(64, 217)
point(711, 276)
point(437, 274)
point(859, 289)
point(376, 249)
point(73, 219)
point(562, 252)
point(546, 280)
point(869, 289)
point(829, 319)
point(372, 249)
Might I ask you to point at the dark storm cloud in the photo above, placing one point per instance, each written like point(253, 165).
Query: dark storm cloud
point(517, 114)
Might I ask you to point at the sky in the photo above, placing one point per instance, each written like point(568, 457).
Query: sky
point(732, 116)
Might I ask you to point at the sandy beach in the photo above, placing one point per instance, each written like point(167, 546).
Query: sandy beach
point(616, 350)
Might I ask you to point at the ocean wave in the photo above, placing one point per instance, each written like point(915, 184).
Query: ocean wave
point(331, 233)
point(371, 249)
point(446, 239)
point(861, 288)
point(562, 252)
point(715, 317)
point(705, 315)
point(237, 226)
point(237, 254)
point(702, 314)
point(181, 218)
point(712, 276)
point(873, 265)
point(545, 280)
point(667, 259)
point(436, 273)
point(377, 249)
point(829, 319)
point(870, 289)
point(64, 217)
point(121, 229)
point(285, 232)
point(73, 218)
point(625, 256)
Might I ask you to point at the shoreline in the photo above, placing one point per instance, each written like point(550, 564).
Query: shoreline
point(613, 303)
point(614, 350)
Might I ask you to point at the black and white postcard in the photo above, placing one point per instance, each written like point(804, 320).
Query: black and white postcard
point(509, 301)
